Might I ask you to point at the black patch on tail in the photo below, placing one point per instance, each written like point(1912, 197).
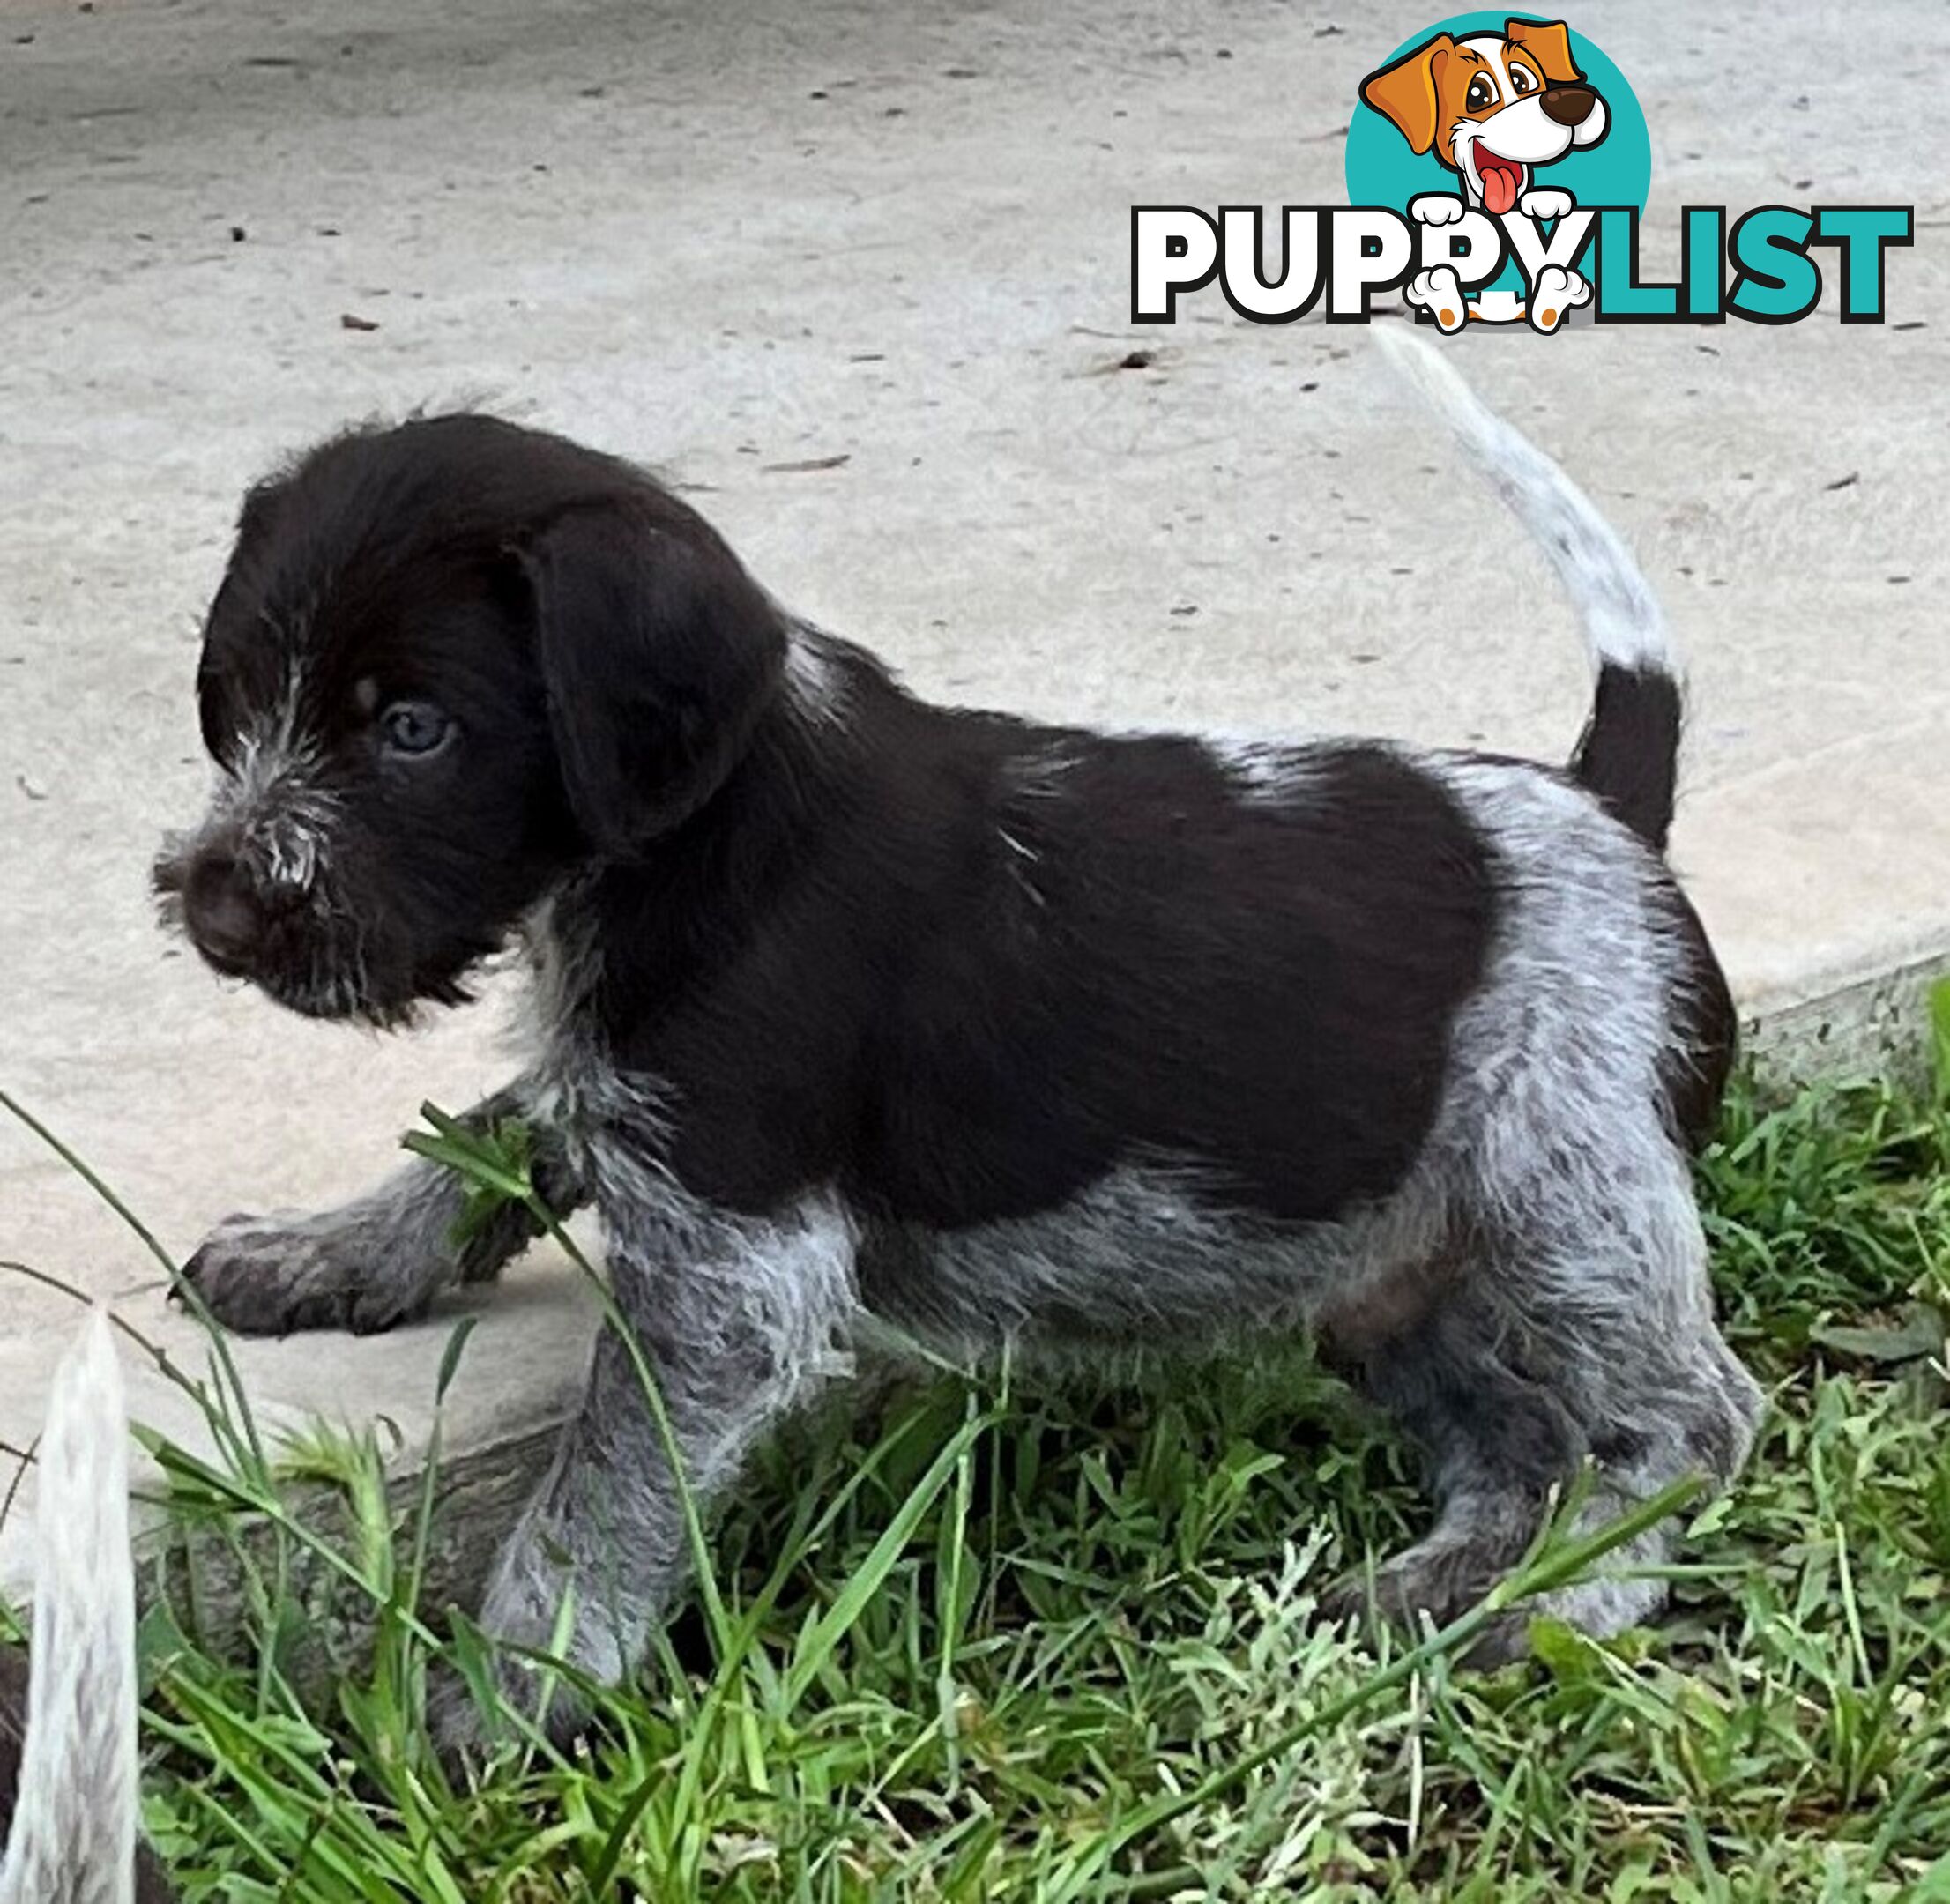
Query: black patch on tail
point(1628, 754)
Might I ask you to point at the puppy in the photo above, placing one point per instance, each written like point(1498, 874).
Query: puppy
point(69, 1794)
point(1492, 107)
point(844, 1003)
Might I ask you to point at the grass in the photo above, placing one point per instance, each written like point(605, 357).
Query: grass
point(1015, 1640)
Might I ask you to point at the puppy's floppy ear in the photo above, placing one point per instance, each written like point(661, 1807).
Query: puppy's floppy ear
point(217, 685)
point(1549, 43)
point(1405, 92)
point(659, 653)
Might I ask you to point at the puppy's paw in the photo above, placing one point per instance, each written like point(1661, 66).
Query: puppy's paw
point(1545, 204)
point(270, 1276)
point(1439, 293)
point(1436, 208)
point(522, 1699)
point(1555, 295)
point(463, 1735)
point(1436, 1581)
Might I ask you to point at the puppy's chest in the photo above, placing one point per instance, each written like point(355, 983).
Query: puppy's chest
point(571, 1084)
point(599, 1113)
point(640, 1073)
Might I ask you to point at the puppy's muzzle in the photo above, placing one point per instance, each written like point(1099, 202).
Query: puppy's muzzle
point(1569, 106)
point(220, 905)
point(221, 912)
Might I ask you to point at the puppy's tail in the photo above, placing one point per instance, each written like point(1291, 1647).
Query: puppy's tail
point(1629, 755)
point(73, 1839)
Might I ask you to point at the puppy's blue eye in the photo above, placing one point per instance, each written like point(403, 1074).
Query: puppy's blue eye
point(414, 728)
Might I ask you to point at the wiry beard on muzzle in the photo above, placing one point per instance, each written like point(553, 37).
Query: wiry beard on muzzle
point(284, 884)
point(253, 888)
point(304, 950)
point(314, 949)
point(167, 872)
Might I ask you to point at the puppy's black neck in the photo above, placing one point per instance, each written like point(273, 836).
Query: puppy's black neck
point(673, 919)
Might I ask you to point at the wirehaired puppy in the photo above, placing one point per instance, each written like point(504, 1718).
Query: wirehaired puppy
point(69, 1799)
point(846, 1004)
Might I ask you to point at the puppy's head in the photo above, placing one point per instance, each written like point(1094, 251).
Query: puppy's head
point(450, 663)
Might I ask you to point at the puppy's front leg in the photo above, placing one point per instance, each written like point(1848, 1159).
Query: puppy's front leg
point(378, 1259)
point(738, 1322)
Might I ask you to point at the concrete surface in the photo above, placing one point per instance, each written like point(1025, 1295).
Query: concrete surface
point(856, 277)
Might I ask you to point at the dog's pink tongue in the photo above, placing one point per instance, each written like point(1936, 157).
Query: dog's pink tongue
point(1499, 188)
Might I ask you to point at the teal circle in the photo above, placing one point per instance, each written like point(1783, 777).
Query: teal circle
point(1381, 170)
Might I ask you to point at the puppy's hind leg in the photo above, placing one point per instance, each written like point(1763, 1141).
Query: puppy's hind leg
point(1662, 1397)
point(738, 1322)
point(1494, 1439)
point(379, 1260)
point(1554, 1350)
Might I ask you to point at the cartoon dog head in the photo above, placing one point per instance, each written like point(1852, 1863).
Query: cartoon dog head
point(1492, 107)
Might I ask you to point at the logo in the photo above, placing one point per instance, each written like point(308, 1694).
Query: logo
point(1497, 172)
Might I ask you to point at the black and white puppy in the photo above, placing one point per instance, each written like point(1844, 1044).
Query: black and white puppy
point(847, 1003)
point(69, 1799)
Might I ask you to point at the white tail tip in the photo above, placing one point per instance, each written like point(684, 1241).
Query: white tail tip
point(1620, 615)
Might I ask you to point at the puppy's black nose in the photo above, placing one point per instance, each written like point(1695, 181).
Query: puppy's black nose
point(220, 908)
point(1569, 105)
